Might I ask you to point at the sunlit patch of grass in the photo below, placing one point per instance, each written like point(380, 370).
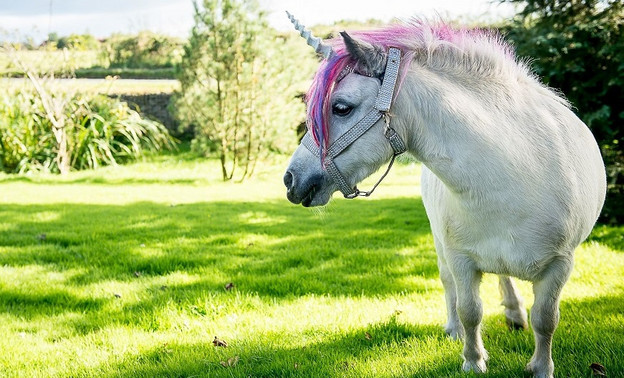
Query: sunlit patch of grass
point(108, 86)
point(49, 61)
point(124, 272)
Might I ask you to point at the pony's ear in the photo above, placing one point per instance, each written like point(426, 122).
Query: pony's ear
point(372, 58)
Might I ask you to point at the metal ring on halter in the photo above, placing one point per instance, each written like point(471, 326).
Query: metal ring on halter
point(358, 193)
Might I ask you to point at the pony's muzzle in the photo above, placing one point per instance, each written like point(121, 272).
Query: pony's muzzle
point(301, 192)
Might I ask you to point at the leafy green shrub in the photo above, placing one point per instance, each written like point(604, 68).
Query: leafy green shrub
point(143, 50)
point(80, 42)
point(100, 131)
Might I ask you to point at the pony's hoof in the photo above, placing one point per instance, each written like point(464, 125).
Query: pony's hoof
point(485, 354)
point(517, 319)
point(475, 366)
point(454, 332)
point(541, 370)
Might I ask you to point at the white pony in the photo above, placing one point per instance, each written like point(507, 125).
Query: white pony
point(512, 180)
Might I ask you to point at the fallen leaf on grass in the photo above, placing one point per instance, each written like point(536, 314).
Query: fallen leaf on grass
point(368, 336)
point(229, 286)
point(219, 343)
point(598, 370)
point(232, 361)
point(166, 349)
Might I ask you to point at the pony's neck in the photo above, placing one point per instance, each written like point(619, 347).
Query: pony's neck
point(447, 123)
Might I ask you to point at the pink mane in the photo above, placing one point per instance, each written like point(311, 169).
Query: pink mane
point(408, 37)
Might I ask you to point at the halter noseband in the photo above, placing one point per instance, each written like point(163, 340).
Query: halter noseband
point(380, 110)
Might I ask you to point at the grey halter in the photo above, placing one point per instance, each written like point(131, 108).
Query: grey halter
point(380, 110)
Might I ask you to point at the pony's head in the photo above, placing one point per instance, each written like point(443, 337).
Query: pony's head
point(343, 93)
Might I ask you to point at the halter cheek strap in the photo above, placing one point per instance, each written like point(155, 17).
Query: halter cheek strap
point(380, 110)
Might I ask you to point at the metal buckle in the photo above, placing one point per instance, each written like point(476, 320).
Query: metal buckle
point(386, 117)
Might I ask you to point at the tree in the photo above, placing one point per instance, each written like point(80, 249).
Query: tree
point(577, 46)
point(238, 85)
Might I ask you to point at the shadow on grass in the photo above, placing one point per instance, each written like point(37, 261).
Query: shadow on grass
point(346, 354)
point(100, 180)
point(270, 249)
point(612, 236)
point(45, 304)
point(591, 331)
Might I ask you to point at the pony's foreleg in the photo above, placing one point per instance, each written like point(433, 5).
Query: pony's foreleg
point(515, 313)
point(545, 315)
point(453, 327)
point(470, 311)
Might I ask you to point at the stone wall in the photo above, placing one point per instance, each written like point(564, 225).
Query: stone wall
point(153, 105)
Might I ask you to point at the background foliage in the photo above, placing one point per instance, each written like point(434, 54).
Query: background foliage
point(100, 131)
point(143, 50)
point(577, 47)
point(80, 42)
point(49, 60)
point(145, 55)
point(238, 83)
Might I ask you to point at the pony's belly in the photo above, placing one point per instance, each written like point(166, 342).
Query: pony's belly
point(510, 260)
point(498, 236)
point(508, 251)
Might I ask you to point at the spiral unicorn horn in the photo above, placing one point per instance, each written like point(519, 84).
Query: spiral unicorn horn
point(313, 41)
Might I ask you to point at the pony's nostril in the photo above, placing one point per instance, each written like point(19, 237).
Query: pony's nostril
point(288, 180)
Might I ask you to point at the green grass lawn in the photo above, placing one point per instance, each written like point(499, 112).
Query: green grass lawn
point(82, 64)
point(121, 272)
point(104, 86)
point(42, 61)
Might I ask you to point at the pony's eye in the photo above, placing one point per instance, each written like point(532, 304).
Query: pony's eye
point(341, 109)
